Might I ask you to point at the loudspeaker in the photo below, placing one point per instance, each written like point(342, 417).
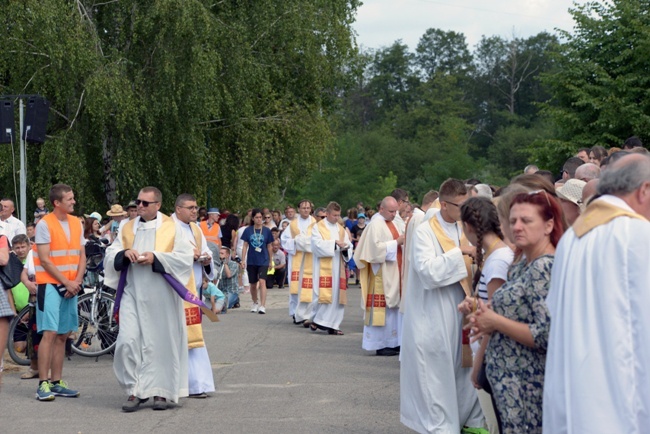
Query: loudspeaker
point(7, 121)
point(36, 119)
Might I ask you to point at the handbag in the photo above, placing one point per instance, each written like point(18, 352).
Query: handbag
point(482, 380)
point(10, 273)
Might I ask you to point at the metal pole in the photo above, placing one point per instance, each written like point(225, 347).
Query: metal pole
point(23, 170)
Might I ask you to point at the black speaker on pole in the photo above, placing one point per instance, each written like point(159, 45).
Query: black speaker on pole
point(36, 120)
point(7, 124)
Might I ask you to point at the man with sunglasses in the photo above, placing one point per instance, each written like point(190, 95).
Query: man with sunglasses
point(211, 228)
point(151, 352)
point(201, 380)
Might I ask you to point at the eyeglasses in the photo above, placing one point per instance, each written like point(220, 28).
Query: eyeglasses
point(145, 203)
point(267, 216)
point(451, 203)
point(191, 208)
point(321, 216)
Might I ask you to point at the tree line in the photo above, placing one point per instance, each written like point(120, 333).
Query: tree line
point(265, 102)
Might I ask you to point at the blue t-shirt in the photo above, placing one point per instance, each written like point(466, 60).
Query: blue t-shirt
point(257, 240)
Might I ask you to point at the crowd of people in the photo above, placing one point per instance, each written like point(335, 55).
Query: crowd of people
point(513, 309)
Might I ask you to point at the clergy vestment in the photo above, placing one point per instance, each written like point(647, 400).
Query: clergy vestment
point(436, 392)
point(377, 257)
point(296, 241)
point(597, 377)
point(411, 226)
point(200, 377)
point(151, 349)
point(330, 286)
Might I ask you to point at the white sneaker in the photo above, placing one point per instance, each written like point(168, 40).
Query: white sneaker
point(255, 307)
point(261, 310)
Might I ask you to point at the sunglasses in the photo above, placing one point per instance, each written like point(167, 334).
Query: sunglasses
point(144, 203)
point(532, 193)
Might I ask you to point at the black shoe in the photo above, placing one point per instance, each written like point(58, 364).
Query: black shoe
point(387, 352)
point(133, 403)
point(397, 349)
point(159, 403)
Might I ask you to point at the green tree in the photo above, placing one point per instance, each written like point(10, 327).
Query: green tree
point(600, 88)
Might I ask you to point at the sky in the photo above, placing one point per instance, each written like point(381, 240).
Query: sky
point(381, 22)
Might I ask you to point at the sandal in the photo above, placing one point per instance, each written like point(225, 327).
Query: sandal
point(313, 327)
point(29, 375)
point(335, 332)
point(306, 323)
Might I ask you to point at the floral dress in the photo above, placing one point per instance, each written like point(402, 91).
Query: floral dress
point(515, 371)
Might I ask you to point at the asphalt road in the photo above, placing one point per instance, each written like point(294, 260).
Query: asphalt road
point(271, 377)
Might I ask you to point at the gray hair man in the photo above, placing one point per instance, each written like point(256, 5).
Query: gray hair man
point(598, 345)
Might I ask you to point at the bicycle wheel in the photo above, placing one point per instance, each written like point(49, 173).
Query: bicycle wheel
point(97, 330)
point(18, 337)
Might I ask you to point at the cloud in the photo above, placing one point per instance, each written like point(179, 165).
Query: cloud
point(381, 22)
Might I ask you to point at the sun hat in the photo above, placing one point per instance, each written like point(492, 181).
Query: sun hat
point(213, 211)
point(131, 204)
point(572, 191)
point(116, 211)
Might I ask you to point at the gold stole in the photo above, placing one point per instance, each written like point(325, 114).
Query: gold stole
point(165, 236)
point(325, 280)
point(193, 312)
point(301, 260)
point(448, 244)
point(374, 294)
point(600, 213)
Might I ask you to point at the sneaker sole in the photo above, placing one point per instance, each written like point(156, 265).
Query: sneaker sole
point(47, 398)
point(64, 395)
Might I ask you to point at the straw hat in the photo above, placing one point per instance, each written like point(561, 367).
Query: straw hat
point(116, 211)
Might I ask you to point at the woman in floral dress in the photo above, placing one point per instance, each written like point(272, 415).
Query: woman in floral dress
point(518, 320)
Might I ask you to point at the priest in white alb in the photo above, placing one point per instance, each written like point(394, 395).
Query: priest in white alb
point(379, 259)
point(597, 377)
point(436, 392)
point(151, 350)
point(296, 241)
point(331, 248)
point(201, 379)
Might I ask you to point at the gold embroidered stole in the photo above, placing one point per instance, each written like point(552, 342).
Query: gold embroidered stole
point(165, 236)
point(448, 244)
point(326, 268)
point(599, 213)
point(301, 261)
point(374, 286)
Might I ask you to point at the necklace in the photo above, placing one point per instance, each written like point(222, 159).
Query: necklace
point(489, 250)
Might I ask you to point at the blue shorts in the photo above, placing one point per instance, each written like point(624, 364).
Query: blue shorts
point(59, 314)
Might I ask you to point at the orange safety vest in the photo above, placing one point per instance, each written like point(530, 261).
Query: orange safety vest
point(211, 235)
point(64, 254)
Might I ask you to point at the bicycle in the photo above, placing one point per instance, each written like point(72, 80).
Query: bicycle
point(20, 337)
point(98, 330)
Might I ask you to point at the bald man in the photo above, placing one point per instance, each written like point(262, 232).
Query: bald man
point(379, 258)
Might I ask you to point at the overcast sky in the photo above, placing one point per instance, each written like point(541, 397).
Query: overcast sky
point(381, 22)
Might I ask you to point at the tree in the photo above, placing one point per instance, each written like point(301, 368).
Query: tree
point(226, 100)
point(443, 52)
point(600, 88)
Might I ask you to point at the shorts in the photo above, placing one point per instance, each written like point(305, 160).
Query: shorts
point(256, 272)
point(59, 314)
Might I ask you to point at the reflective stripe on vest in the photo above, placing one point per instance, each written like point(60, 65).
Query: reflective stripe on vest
point(64, 254)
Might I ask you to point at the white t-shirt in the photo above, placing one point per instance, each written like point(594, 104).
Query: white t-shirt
point(495, 267)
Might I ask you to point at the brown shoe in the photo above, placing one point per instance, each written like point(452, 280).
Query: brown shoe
point(29, 375)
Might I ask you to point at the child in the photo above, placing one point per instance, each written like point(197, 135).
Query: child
point(214, 297)
point(40, 211)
